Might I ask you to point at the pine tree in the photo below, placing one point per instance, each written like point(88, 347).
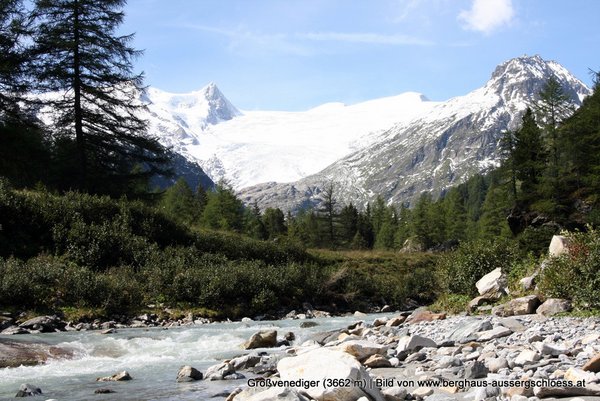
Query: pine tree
point(348, 223)
point(179, 202)
point(13, 28)
point(328, 212)
point(223, 211)
point(253, 224)
point(455, 215)
point(80, 58)
point(274, 223)
point(529, 157)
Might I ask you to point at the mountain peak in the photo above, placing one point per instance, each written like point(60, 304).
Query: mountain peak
point(522, 78)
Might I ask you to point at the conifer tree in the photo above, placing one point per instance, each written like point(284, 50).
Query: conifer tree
point(80, 57)
point(529, 156)
point(348, 223)
point(12, 58)
point(274, 222)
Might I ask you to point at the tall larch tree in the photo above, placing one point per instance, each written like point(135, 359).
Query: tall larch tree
point(80, 58)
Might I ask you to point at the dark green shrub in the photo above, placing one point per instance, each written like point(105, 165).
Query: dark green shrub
point(576, 275)
point(460, 270)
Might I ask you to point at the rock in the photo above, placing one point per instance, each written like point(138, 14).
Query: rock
point(104, 391)
point(377, 361)
point(14, 353)
point(448, 361)
point(421, 392)
point(424, 316)
point(552, 350)
point(5, 322)
point(262, 339)
point(219, 371)
point(306, 325)
point(394, 393)
point(245, 362)
point(386, 309)
point(559, 245)
point(45, 324)
point(395, 321)
point(475, 370)
point(359, 314)
point(246, 320)
point(466, 332)
point(593, 365)
point(27, 390)
point(527, 357)
point(496, 332)
point(362, 349)
point(528, 283)
point(495, 364)
point(553, 306)
point(414, 343)
point(479, 301)
point(14, 330)
point(188, 374)
point(492, 285)
point(324, 363)
point(108, 331)
point(273, 393)
point(380, 321)
point(576, 375)
point(117, 377)
point(519, 306)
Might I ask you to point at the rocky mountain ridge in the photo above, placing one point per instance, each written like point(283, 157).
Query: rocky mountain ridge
point(432, 152)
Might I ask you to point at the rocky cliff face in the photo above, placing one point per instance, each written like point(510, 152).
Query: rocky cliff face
point(442, 148)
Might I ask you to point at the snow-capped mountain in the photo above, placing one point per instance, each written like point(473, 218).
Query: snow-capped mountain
point(252, 147)
point(439, 148)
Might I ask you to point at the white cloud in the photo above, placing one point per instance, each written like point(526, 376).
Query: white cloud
point(487, 15)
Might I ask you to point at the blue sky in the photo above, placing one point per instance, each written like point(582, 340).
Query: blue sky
point(297, 54)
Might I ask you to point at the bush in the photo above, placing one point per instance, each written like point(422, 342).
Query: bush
point(576, 275)
point(460, 270)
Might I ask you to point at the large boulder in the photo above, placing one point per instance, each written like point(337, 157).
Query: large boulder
point(219, 371)
point(44, 324)
point(321, 364)
point(262, 339)
point(519, 306)
point(414, 343)
point(593, 365)
point(559, 245)
point(493, 284)
point(27, 390)
point(188, 374)
point(553, 306)
point(423, 315)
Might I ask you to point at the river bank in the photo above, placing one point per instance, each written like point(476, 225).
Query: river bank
point(398, 356)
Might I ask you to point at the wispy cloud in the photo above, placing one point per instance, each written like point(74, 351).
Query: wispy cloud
point(245, 40)
point(368, 38)
point(487, 15)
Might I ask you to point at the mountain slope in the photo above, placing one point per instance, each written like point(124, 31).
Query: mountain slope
point(251, 147)
point(434, 151)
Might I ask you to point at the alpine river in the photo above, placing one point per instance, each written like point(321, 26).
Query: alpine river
point(152, 357)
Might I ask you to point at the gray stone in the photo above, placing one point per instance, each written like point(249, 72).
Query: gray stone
point(466, 332)
point(519, 306)
point(188, 374)
point(45, 324)
point(27, 390)
point(414, 342)
point(245, 362)
point(117, 377)
point(553, 306)
point(475, 370)
point(394, 393)
point(219, 371)
point(495, 364)
point(262, 339)
point(496, 332)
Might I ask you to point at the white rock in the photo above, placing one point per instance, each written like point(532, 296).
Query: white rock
point(411, 343)
point(496, 332)
point(558, 245)
point(326, 363)
point(492, 284)
point(361, 349)
point(527, 357)
point(394, 393)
